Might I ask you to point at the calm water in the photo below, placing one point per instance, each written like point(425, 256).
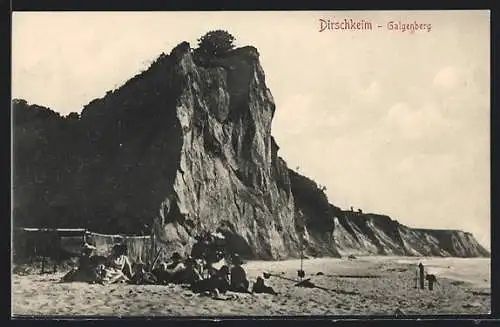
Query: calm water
point(473, 270)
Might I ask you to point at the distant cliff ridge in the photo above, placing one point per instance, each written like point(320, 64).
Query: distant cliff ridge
point(365, 234)
point(186, 146)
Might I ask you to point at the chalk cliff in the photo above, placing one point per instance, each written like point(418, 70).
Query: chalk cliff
point(186, 146)
point(369, 234)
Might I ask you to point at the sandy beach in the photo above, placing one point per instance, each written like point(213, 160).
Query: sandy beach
point(363, 286)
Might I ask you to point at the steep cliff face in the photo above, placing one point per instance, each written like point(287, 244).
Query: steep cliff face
point(185, 147)
point(182, 147)
point(228, 176)
point(369, 234)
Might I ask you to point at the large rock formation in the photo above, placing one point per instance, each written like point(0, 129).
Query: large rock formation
point(183, 147)
point(369, 234)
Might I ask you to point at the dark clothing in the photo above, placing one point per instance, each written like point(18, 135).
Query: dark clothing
point(143, 278)
point(431, 279)
point(202, 286)
point(96, 260)
point(222, 284)
point(210, 284)
point(173, 265)
point(190, 275)
point(161, 276)
point(260, 287)
point(84, 262)
point(86, 271)
point(197, 251)
point(173, 274)
point(218, 279)
point(182, 275)
point(239, 281)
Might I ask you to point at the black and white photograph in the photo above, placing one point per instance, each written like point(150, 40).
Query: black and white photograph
point(250, 163)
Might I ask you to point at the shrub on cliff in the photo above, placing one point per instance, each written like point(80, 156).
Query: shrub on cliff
point(212, 45)
point(216, 42)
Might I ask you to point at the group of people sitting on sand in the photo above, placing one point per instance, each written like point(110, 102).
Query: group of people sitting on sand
point(98, 269)
point(198, 274)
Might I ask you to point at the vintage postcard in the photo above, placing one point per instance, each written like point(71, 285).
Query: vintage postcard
point(257, 163)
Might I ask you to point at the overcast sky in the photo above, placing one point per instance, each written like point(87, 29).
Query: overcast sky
point(389, 121)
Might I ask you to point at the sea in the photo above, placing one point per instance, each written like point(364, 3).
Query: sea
point(473, 270)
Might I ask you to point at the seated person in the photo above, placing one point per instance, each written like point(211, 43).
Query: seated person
point(260, 287)
point(239, 281)
point(222, 281)
point(191, 273)
point(209, 270)
point(175, 270)
point(118, 267)
point(217, 282)
point(85, 272)
point(142, 277)
point(160, 273)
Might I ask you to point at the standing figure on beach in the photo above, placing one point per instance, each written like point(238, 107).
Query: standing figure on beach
point(421, 276)
point(431, 279)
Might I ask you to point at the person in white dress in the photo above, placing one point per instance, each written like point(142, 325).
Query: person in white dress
point(118, 268)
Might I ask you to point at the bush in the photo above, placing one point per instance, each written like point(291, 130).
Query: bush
point(215, 43)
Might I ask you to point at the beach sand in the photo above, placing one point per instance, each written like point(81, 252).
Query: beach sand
point(463, 288)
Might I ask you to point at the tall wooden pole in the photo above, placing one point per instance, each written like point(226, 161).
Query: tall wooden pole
point(153, 247)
